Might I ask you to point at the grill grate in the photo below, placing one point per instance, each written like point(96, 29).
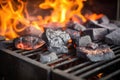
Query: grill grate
point(70, 67)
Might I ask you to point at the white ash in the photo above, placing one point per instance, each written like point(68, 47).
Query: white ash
point(113, 37)
point(57, 40)
point(102, 53)
point(48, 57)
point(85, 40)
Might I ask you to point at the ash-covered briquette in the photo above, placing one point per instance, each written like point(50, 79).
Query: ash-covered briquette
point(75, 35)
point(75, 26)
point(28, 42)
point(48, 57)
point(95, 24)
point(31, 30)
point(57, 40)
point(101, 53)
point(96, 33)
point(85, 40)
point(113, 37)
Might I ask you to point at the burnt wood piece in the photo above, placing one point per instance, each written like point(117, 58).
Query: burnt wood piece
point(48, 57)
point(113, 37)
point(85, 40)
point(28, 42)
point(57, 40)
point(96, 33)
point(31, 30)
point(95, 24)
point(101, 53)
point(2, 38)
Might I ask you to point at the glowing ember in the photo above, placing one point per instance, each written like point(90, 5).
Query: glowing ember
point(28, 42)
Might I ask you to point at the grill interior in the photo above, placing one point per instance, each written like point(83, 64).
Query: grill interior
point(68, 66)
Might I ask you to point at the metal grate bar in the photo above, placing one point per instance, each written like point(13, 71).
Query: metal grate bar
point(92, 66)
point(108, 77)
point(88, 73)
point(65, 62)
point(77, 67)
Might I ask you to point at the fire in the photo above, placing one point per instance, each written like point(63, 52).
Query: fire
point(14, 17)
point(11, 15)
point(63, 10)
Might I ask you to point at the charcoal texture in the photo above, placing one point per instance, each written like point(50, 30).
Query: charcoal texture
point(31, 30)
point(75, 35)
point(113, 37)
point(103, 20)
point(76, 26)
point(92, 45)
point(28, 42)
point(101, 53)
point(96, 33)
point(48, 57)
point(95, 24)
point(57, 40)
point(85, 40)
point(79, 27)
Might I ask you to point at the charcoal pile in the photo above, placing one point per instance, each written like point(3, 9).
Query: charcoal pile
point(81, 34)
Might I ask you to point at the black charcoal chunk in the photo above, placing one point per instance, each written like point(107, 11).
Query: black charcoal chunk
point(48, 57)
point(116, 23)
point(85, 40)
point(57, 40)
point(75, 35)
point(103, 20)
point(113, 37)
point(28, 42)
point(96, 33)
point(31, 30)
point(79, 27)
point(103, 52)
point(111, 27)
point(76, 26)
point(95, 24)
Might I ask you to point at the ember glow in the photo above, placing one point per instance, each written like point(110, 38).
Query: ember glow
point(14, 17)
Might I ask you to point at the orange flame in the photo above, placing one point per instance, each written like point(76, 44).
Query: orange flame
point(63, 10)
point(13, 13)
